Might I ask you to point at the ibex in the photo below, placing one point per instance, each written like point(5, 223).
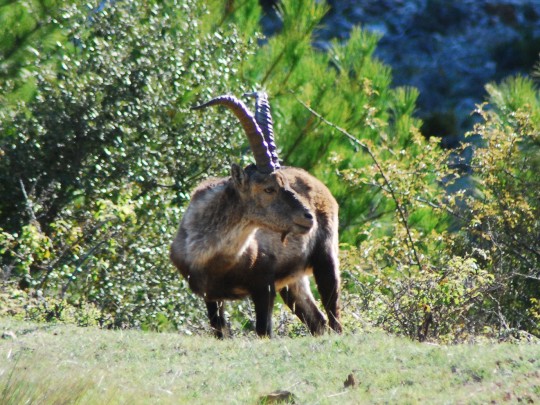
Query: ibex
point(264, 229)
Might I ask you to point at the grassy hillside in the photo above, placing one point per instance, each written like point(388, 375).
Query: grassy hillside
point(63, 364)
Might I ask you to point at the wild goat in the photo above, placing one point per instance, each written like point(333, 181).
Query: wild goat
point(264, 229)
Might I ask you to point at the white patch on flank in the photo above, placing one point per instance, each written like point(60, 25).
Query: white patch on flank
point(231, 245)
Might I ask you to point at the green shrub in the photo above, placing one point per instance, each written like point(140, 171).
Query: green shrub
point(21, 305)
point(483, 276)
point(97, 165)
point(501, 228)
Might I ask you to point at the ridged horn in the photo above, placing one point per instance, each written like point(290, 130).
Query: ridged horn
point(259, 147)
point(263, 116)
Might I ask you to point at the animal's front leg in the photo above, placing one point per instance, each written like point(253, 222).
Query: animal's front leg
point(263, 298)
point(216, 315)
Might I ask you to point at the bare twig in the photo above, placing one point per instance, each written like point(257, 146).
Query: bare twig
point(29, 205)
point(337, 394)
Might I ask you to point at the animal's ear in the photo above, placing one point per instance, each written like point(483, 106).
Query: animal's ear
point(239, 177)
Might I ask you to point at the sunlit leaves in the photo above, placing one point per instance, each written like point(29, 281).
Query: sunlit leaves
point(108, 152)
point(483, 275)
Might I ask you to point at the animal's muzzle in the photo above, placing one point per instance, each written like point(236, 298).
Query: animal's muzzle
point(305, 221)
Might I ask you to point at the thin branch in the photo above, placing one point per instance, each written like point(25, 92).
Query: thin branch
point(434, 205)
point(83, 259)
point(527, 276)
point(298, 139)
point(393, 194)
point(273, 66)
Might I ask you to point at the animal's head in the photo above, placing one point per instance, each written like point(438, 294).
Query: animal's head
point(269, 200)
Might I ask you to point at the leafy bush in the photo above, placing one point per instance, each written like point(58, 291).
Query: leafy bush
point(482, 277)
point(96, 167)
point(501, 227)
point(21, 305)
point(31, 32)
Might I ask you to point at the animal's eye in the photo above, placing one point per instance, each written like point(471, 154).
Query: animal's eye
point(269, 190)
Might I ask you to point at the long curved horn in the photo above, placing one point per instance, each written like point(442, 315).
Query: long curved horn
point(259, 147)
point(263, 116)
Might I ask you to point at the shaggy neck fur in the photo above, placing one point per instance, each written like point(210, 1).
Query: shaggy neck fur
point(218, 227)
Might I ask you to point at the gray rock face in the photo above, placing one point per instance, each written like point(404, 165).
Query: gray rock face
point(447, 49)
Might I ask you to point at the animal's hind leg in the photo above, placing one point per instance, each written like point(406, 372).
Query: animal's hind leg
point(216, 314)
point(326, 271)
point(299, 298)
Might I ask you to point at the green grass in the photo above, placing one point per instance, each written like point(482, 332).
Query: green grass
point(63, 364)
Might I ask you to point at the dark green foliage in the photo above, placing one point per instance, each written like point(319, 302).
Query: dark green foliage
point(30, 36)
point(92, 163)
